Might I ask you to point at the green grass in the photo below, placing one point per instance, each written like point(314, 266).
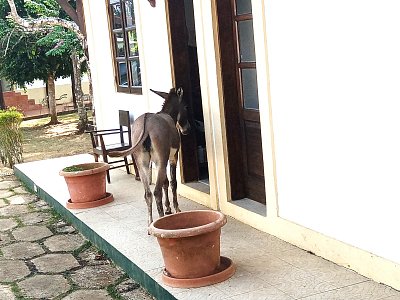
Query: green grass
point(19, 222)
point(68, 118)
point(82, 248)
point(44, 121)
point(112, 288)
point(55, 216)
point(17, 292)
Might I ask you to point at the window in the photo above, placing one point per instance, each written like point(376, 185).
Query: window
point(125, 46)
point(246, 56)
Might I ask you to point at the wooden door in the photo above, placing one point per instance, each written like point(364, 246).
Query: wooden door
point(239, 76)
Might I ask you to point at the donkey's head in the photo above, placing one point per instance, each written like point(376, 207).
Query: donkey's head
point(175, 106)
point(182, 119)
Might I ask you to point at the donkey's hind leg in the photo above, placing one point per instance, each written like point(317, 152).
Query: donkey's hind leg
point(161, 176)
point(166, 201)
point(143, 161)
point(173, 183)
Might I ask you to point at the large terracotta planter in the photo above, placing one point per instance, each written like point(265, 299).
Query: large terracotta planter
point(190, 246)
point(87, 185)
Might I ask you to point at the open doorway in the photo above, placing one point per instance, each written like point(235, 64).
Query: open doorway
point(194, 165)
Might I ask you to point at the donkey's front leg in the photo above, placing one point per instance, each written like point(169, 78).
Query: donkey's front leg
point(149, 201)
point(174, 184)
point(166, 197)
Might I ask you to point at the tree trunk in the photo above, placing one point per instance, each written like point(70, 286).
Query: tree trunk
point(73, 89)
point(89, 73)
point(52, 99)
point(76, 65)
point(2, 104)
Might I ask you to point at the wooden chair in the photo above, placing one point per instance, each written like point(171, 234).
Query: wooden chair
point(101, 148)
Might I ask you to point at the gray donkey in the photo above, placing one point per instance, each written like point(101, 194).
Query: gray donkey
point(155, 138)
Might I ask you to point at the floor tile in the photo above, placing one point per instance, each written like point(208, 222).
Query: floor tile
point(203, 293)
point(300, 284)
point(241, 282)
point(323, 269)
point(268, 293)
point(362, 291)
point(271, 269)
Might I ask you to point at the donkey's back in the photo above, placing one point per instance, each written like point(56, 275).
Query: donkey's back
point(160, 139)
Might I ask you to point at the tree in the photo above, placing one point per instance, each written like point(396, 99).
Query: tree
point(43, 20)
point(25, 57)
point(77, 16)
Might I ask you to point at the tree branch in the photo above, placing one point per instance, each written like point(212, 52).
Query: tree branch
point(8, 42)
point(71, 12)
point(44, 22)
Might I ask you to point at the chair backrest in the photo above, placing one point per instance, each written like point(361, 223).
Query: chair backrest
point(95, 140)
point(125, 121)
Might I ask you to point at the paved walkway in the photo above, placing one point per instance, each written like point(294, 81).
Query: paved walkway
point(43, 257)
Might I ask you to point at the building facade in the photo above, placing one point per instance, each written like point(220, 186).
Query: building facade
point(294, 107)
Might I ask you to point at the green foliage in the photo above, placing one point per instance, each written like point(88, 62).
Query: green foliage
point(60, 41)
point(44, 8)
point(5, 9)
point(10, 137)
point(26, 56)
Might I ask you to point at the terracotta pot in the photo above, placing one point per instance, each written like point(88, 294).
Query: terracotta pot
point(87, 187)
point(190, 242)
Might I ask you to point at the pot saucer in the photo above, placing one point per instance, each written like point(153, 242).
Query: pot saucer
point(225, 270)
point(90, 204)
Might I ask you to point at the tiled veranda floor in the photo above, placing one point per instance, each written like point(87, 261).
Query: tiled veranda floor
point(267, 268)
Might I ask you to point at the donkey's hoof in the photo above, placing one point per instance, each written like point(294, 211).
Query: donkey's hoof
point(177, 210)
point(137, 178)
point(168, 212)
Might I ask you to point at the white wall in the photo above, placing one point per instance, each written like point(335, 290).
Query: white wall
point(154, 60)
point(334, 83)
point(37, 90)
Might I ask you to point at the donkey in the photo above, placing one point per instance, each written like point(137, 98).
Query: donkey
point(155, 138)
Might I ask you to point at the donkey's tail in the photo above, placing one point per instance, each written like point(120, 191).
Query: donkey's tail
point(130, 150)
point(122, 153)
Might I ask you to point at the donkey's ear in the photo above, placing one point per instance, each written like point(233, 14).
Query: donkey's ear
point(179, 92)
point(161, 94)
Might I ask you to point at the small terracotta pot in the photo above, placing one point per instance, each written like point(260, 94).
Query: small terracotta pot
point(190, 242)
point(87, 186)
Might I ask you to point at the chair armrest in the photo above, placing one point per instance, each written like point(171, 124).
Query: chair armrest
point(108, 133)
point(104, 130)
point(95, 134)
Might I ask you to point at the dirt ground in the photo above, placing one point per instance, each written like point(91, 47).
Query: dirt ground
point(41, 141)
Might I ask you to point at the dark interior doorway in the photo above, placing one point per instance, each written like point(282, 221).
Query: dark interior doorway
point(186, 74)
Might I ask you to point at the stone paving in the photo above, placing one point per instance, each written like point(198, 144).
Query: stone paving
point(43, 257)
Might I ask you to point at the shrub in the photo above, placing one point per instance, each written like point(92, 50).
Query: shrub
point(10, 137)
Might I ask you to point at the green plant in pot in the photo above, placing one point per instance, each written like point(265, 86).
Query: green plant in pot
point(87, 185)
